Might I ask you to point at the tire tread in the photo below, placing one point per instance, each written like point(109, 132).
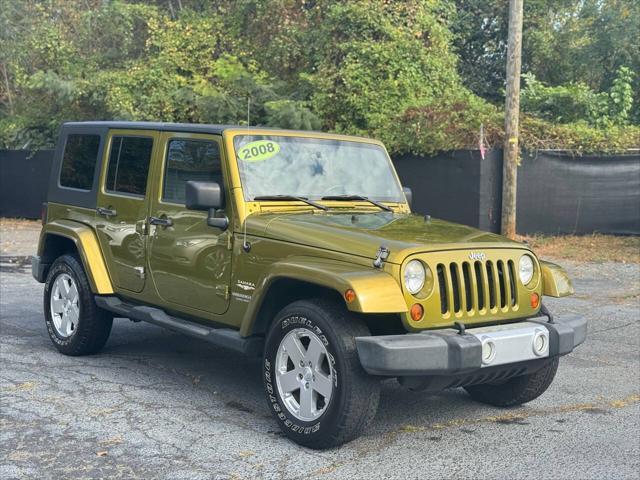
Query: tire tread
point(362, 391)
point(94, 325)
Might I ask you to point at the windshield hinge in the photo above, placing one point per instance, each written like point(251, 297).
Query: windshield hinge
point(381, 256)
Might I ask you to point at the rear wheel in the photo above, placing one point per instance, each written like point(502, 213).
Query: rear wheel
point(315, 386)
point(517, 390)
point(74, 322)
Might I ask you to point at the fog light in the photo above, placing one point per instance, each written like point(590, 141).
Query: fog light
point(535, 300)
point(416, 312)
point(488, 352)
point(349, 295)
point(540, 344)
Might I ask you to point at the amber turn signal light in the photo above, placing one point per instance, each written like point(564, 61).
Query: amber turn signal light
point(349, 295)
point(416, 312)
point(535, 300)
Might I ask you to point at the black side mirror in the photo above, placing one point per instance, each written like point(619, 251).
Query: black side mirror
point(408, 194)
point(206, 196)
point(203, 195)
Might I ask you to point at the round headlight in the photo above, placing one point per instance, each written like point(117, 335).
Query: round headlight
point(526, 269)
point(414, 276)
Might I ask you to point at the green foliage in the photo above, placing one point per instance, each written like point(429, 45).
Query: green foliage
point(376, 60)
point(578, 137)
point(586, 40)
point(564, 42)
point(563, 103)
point(438, 128)
point(116, 60)
point(291, 114)
point(421, 75)
point(576, 102)
point(449, 123)
point(621, 96)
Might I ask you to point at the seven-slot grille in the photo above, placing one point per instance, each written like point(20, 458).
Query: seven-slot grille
point(480, 286)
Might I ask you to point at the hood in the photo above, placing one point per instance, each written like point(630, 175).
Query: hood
point(363, 233)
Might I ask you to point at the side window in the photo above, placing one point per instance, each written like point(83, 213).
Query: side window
point(129, 165)
point(79, 161)
point(189, 160)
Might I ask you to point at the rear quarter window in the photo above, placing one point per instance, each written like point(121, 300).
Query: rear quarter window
point(79, 161)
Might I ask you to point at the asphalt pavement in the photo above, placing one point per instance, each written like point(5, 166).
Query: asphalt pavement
point(156, 404)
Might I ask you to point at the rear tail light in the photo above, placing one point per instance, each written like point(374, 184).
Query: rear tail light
point(43, 214)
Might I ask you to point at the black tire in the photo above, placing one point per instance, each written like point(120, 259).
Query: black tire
point(518, 390)
point(354, 401)
point(93, 325)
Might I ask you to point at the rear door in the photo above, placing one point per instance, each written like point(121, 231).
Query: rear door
point(122, 205)
point(189, 261)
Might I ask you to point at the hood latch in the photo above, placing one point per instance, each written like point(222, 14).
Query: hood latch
point(381, 256)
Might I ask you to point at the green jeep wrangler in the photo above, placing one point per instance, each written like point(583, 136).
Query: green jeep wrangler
point(298, 247)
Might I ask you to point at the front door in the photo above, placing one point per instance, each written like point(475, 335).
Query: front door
point(189, 261)
point(122, 205)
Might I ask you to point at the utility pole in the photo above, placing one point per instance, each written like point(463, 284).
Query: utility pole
point(511, 149)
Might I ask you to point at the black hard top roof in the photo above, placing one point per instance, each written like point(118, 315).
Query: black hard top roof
point(174, 127)
point(180, 127)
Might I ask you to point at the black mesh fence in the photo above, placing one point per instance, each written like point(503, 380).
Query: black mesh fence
point(557, 192)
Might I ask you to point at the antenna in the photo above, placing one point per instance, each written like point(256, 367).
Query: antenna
point(246, 246)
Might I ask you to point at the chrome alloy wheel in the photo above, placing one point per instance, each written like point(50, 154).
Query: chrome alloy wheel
point(304, 376)
point(65, 310)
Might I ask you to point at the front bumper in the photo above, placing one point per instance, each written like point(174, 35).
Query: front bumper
point(447, 352)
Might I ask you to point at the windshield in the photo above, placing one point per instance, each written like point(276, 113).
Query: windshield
point(314, 168)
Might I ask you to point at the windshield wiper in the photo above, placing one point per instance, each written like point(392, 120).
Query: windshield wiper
point(290, 197)
point(346, 198)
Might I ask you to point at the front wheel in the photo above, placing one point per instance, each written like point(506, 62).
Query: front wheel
point(316, 388)
point(74, 322)
point(517, 390)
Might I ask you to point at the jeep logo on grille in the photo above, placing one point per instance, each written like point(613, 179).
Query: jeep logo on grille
point(479, 256)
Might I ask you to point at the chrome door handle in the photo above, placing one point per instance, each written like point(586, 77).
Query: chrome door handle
point(162, 221)
point(107, 212)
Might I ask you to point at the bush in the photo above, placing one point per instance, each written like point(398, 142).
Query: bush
point(451, 123)
point(578, 137)
point(561, 104)
point(455, 124)
point(576, 102)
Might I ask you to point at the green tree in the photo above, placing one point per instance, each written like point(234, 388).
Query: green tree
point(564, 42)
point(376, 59)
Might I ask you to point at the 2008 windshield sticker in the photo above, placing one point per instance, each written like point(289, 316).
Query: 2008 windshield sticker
point(258, 151)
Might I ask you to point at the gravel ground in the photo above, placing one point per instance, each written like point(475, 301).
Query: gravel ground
point(18, 237)
point(155, 404)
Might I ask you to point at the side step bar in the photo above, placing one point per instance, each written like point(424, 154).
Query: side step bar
point(221, 337)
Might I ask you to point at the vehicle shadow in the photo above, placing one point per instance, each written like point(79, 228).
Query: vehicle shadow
point(237, 381)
